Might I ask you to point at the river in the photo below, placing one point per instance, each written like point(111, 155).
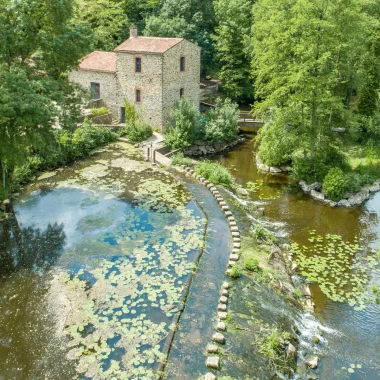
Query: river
point(350, 338)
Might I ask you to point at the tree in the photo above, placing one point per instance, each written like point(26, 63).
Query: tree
point(307, 59)
point(193, 20)
point(234, 18)
point(108, 20)
point(38, 44)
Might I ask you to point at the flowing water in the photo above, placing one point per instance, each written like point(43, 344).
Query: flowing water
point(347, 337)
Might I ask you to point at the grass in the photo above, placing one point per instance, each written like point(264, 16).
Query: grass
point(180, 159)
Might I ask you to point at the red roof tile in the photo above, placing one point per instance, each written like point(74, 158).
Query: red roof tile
point(99, 61)
point(154, 45)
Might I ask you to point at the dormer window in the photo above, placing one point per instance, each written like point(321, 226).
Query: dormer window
point(182, 65)
point(138, 66)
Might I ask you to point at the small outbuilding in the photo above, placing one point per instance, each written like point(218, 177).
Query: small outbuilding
point(153, 73)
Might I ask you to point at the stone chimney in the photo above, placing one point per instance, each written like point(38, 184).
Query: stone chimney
point(133, 32)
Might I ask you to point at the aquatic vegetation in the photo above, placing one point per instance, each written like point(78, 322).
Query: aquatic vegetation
point(336, 266)
point(254, 186)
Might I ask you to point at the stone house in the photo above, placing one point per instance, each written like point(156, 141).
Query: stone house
point(152, 73)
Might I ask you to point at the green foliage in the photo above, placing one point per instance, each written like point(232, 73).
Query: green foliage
point(235, 272)
point(223, 122)
point(334, 184)
point(180, 159)
point(99, 111)
point(135, 129)
point(306, 63)
point(234, 18)
point(193, 20)
point(184, 126)
point(252, 265)
point(214, 172)
point(261, 234)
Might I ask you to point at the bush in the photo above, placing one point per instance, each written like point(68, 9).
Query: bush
point(335, 184)
point(99, 111)
point(252, 265)
point(184, 126)
point(222, 123)
point(180, 159)
point(214, 172)
point(261, 234)
point(235, 272)
point(353, 182)
point(138, 131)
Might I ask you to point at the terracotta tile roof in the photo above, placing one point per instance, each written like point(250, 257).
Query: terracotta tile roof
point(154, 45)
point(99, 61)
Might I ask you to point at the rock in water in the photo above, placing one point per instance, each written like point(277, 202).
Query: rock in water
point(312, 361)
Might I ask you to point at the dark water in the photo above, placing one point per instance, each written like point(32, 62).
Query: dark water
point(350, 337)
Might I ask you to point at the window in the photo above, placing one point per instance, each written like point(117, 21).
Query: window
point(138, 95)
point(138, 66)
point(181, 92)
point(182, 64)
point(95, 90)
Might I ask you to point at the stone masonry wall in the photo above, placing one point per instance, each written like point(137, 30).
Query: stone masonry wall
point(108, 86)
point(174, 79)
point(149, 81)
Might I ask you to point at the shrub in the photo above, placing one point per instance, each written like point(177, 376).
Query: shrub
point(334, 184)
point(180, 159)
point(223, 122)
point(261, 234)
point(235, 272)
point(252, 265)
point(353, 182)
point(99, 111)
point(184, 126)
point(214, 172)
point(138, 131)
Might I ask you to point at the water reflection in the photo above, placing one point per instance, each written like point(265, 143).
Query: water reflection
point(28, 247)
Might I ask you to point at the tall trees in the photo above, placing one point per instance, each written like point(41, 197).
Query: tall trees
point(307, 59)
point(191, 19)
point(232, 36)
point(37, 46)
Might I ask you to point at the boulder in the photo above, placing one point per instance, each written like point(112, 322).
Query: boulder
point(332, 203)
point(221, 326)
point(291, 351)
point(286, 169)
point(347, 195)
point(219, 338)
point(305, 187)
point(343, 203)
point(212, 348)
point(312, 361)
point(317, 186)
point(359, 198)
point(374, 188)
point(213, 362)
point(275, 170)
point(317, 195)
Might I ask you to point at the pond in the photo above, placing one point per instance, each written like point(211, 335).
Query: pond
point(350, 339)
point(96, 260)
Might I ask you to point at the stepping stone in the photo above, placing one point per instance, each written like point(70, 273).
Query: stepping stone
point(223, 203)
point(216, 194)
point(231, 219)
point(235, 250)
point(210, 376)
point(232, 224)
point(223, 299)
point(222, 315)
point(225, 293)
point(225, 208)
point(219, 338)
point(228, 213)
point(237, 245)
point(222, 307)
point(203, 179)
point(225, 285)
point(231, 263)
point(199, 178)
point(213, 189)
point(191, 171)
point(234, 228)
point(221, 326)
point(236, 239)
point(235, 234)
point(210, 185)
point(206, 183)
point(213, 362)
point(212, 348)
point(219, 199)
point(228, 272)
point(234, 257)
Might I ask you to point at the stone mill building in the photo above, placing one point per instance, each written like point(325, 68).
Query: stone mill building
point(152, 73)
